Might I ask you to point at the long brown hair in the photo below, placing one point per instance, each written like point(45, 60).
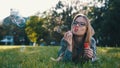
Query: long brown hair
point(86, 39)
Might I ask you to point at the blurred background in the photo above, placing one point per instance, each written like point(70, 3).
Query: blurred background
point(46, 23)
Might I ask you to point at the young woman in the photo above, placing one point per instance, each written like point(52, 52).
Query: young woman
point(78, 45)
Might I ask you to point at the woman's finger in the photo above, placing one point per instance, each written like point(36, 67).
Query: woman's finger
point(68, 37)
point(88, 53)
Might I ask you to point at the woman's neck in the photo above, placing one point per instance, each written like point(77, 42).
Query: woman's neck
point(78, 38)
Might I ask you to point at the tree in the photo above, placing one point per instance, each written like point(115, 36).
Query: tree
point(64, 11)
point(59, 18)
point(11, 28)
point(1, 32)
point(106, 23)
point(35, 29)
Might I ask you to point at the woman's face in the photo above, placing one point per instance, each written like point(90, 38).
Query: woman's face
point(79, 26)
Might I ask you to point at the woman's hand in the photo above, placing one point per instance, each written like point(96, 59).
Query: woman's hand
point(68, 37)
point(88, 53)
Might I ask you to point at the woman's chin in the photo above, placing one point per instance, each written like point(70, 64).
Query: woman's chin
point(76, 34)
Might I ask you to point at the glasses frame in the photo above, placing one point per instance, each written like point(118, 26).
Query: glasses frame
point(81, 24)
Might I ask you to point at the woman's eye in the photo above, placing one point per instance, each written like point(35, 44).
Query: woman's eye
point(82, 24)
point(79, 23)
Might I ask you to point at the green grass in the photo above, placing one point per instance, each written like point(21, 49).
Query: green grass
point(39, 57)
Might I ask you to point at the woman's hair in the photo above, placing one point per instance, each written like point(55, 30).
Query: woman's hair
point(90, 31)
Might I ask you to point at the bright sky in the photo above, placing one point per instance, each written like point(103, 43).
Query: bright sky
point(25, 7)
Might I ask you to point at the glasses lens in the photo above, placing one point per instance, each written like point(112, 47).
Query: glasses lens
point(82, 24)
point(79, 23)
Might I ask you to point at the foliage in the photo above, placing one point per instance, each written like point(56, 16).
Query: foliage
point(106, 23)
point(51, 25)
point(1, 34)
point(39, 57)
point(12, 29)
point(59, 18)
point(34, 29)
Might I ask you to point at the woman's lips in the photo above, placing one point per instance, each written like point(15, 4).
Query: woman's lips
point(75, 28)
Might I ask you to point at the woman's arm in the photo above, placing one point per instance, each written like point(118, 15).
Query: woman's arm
point(93, 47)
point(64, 52)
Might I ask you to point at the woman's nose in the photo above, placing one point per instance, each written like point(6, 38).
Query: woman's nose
point(77, 25)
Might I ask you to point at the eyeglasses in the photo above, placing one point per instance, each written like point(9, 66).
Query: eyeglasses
point(81, 24)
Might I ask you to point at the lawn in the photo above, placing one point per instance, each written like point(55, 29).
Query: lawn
point(39, 57)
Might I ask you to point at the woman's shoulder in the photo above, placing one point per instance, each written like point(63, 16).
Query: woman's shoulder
point(63, 41)
point(93, 40)
point(93, 43)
